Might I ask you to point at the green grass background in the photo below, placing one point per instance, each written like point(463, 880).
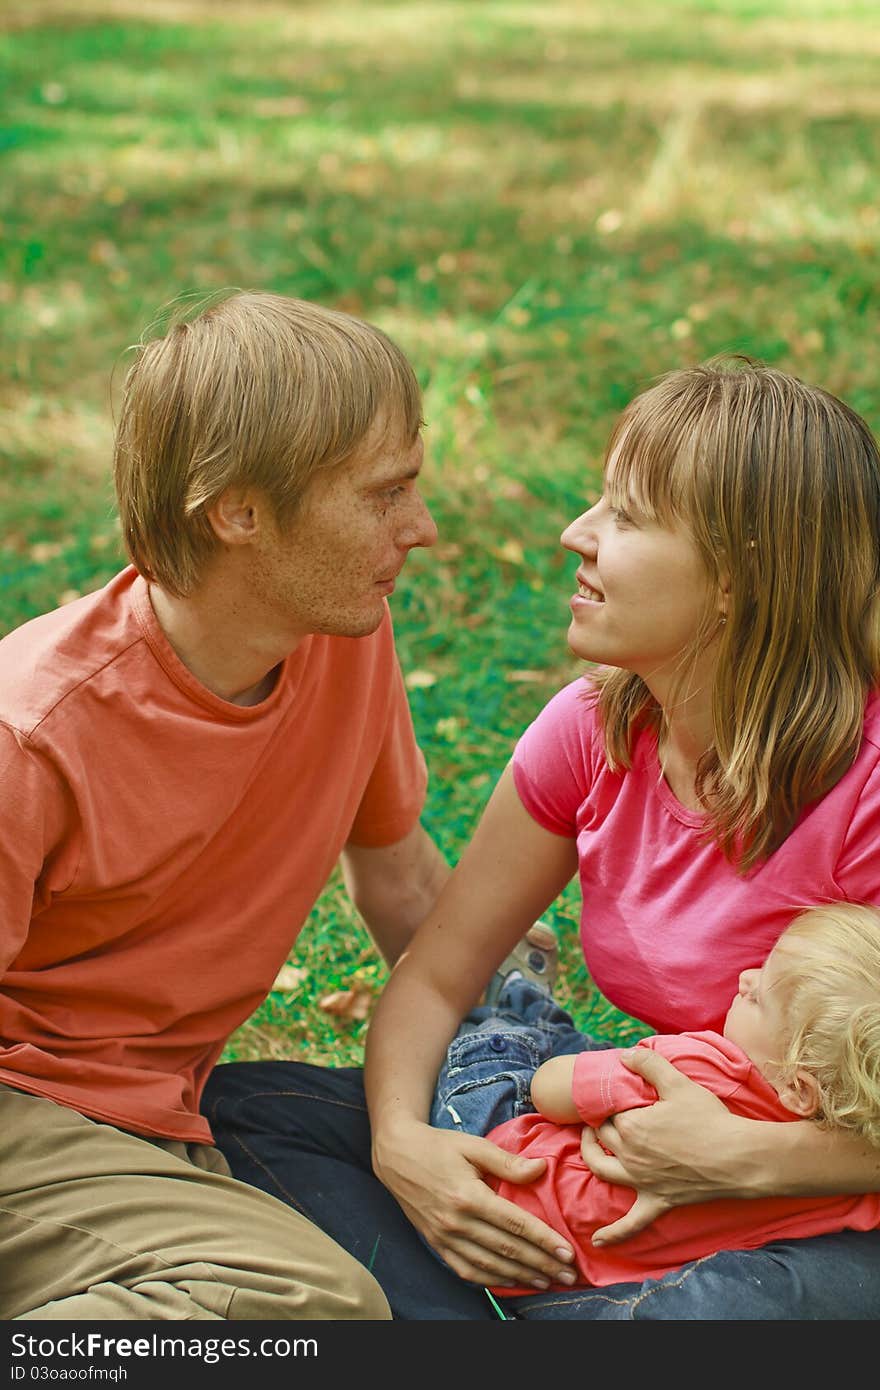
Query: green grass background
point(546, 204)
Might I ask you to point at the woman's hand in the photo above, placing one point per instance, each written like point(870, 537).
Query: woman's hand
point(436, 1176)
point(673, 1152)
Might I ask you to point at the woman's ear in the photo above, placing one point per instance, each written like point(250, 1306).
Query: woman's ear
point(723, 598)
point(801, 1095)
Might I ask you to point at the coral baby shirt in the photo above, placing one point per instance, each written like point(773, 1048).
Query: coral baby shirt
point(571, 1199)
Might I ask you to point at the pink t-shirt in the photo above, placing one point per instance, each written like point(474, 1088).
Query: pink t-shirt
point(576, 1203)
point(667, 923)
point(160, 847)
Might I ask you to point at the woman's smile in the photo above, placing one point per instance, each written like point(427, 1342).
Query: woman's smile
point(586, 591)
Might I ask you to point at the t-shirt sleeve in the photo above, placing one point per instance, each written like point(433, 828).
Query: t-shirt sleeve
point(553, 761)
point(32, 824)
point(857, 872)
point(395, 793)
point(602, 1085)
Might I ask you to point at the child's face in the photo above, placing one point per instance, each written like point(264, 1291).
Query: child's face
point(755, 1019)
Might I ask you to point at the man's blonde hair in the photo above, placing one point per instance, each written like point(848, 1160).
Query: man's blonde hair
point(827, 972)
point(778, 484)
point(255, 390)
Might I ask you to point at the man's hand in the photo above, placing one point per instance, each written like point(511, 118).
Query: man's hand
point(671, 1153)
point(436, 1176)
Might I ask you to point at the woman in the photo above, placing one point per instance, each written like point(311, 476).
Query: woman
point(719, 771)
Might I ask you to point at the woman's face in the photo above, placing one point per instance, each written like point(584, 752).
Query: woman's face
point(642, 591)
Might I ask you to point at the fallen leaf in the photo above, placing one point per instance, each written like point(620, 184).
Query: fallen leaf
point(44, 551)
point(609, 221)
point(103, 252)
point(511, 551)
point(289, 979)
point(280, 106)
point(352, 1004)
point(419, 680)
point(513, 490)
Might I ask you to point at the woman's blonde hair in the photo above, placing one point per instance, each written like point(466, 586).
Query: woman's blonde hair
point(255, 390)
point(778, 484)
point(827, 973)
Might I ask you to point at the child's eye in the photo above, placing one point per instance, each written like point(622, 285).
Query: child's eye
point(620, 516)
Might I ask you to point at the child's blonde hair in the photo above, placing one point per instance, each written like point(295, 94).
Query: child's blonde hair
point(254, 390)
point(829, 987)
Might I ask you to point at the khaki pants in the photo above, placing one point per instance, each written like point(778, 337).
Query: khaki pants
point(99, 1224)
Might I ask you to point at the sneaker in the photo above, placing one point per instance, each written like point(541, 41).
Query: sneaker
point(535, 958)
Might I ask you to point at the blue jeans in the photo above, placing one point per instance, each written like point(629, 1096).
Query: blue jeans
point(301, 1133)
point(492, 1058)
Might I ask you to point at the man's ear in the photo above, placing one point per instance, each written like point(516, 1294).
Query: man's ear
point(236, 516)
point(801, 1095)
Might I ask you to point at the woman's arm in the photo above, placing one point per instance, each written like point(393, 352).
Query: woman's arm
point(688, 1147)
point(508, 875)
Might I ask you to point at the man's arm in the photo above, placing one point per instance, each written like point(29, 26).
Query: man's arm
point(394, 887)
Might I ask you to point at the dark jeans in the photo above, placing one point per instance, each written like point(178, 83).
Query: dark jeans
point(490, 1062)
point(301, 1133)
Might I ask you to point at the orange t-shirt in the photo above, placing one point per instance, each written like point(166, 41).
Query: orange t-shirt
point(160, 848)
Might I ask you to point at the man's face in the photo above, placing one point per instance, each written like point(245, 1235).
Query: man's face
point(332, 567)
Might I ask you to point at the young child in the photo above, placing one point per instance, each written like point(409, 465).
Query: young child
point(801, 1040)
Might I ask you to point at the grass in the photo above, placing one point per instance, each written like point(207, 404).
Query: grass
point(547, 205)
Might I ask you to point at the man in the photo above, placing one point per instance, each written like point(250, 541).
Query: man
point(184, 756)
